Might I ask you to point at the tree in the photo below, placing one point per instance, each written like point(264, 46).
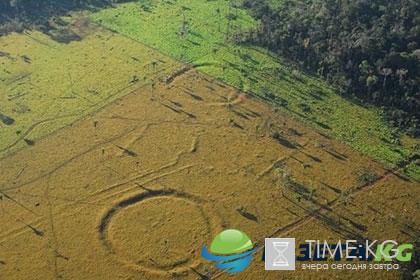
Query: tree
point(184, 24)
point(385, 72)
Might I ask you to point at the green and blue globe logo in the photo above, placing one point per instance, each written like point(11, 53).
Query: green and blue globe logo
point(231, 250)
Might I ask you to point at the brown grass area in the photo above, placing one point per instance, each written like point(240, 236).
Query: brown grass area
point(135, 190)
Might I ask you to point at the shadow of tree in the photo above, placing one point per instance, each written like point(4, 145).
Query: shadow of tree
point(18, 15)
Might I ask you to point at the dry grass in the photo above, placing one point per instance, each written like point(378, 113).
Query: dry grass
point(138, 188)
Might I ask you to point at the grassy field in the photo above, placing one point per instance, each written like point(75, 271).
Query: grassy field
point(139, 170)
point(49, 84)
point(163, 171)
point(200, 33)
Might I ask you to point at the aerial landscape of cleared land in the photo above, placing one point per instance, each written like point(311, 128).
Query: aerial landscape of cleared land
point(132, 135)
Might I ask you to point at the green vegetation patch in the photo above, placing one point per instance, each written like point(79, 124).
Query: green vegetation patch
point(46, 85)
point(207, 34)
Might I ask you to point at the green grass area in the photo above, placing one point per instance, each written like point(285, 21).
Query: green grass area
point(160, 25)
point(206, 39)
point(46, 85)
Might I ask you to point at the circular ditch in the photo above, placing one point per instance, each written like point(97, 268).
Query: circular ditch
point(158, 230)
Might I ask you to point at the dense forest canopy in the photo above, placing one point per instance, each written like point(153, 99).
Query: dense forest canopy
point(366, 48)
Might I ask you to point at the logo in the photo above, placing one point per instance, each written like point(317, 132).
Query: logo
point(280, 254)
point(231, 250)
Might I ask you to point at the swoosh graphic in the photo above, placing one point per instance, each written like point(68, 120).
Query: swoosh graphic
point(216, 258)
point(231, 263)
point(235, 266)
